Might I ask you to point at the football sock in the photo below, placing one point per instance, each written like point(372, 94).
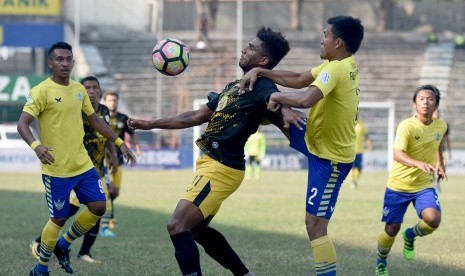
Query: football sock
point(112, 212)
point(355, 175)
point(385, 243)
point(48, 241)
point(89, 239)
point(216, 245)
point(83, 222)
point(324, 254)
point(72, 210)
point(258, 172)
point(420, 229)
point(187, 253)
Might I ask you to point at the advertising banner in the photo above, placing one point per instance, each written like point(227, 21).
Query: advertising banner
point(30, 7)
point(36, 35)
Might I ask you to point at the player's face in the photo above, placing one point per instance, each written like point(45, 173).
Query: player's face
point(61, 63)
point(328, 43)
point(252, 55)
point(111, 102)
point(93, 90)
point(425, 103)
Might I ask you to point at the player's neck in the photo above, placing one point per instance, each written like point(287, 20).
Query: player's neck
point(113, 113)
point(426, 120)
point(95, 106)
point(61, 81)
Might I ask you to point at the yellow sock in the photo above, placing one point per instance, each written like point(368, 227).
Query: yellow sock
point(325, 256)
point(423, 229)
point(83, 222)
point(385, 243)
point(49, 239)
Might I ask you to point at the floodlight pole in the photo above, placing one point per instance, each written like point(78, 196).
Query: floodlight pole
point(158, 93)
point(77, 33)
point(239, 17)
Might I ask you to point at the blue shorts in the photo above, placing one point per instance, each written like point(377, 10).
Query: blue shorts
point(358, 162)
point(325, 177)
point(396, 203)
point(87, 186)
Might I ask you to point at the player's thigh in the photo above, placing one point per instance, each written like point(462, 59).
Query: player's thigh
point(212, 184)
point(325, 178)
point(427, 200)
point(297, 140)
point(57, 191)
point(90, 187)
point(395, 205)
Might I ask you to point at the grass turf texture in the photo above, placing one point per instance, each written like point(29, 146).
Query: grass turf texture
point(263, 221)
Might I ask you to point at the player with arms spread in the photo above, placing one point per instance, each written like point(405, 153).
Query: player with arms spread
point(231, 118)
point(329, 138)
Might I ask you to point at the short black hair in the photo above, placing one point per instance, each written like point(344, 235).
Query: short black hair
point(90, 78)
point(275, 45)
point(430, 87)
point(349, 29)
point(59, 45)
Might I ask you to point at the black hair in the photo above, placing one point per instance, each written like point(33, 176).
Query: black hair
point(430, 87)
point(275, 46)
point(90, 78)
point(349, 29)
point(59, 45)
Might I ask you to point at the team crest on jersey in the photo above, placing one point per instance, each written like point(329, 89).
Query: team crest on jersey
point(222, 103)
point(80, 97)
point(29, 99)
point(324, 77)
point(59, 204)
point(437, 136)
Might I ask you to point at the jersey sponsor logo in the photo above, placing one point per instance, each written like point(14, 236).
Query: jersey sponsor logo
point(437, 136)
point(215, 145)
point(417, 137)
point(80, 97)
point(324, 77)
point(59, 204)
point(58, 100)
point(222, 103)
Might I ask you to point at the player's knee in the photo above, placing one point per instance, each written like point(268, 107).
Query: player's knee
point(59, 221)
point(316, 227)
point(175, 228)
point(98, 208)
point(392, 229)
point(433, 222)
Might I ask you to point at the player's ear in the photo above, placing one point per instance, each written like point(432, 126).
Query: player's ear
point(264, 61)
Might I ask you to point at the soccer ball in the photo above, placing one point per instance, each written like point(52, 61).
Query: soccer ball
point(170, 57)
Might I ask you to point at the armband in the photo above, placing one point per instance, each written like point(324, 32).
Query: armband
point(119, 142)
point(34, 145)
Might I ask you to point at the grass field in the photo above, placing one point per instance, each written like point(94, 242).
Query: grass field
point(264, 222)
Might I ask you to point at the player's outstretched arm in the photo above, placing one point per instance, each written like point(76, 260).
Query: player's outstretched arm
point(299, 99)
point(284, 78)
point(403, 158)
point(183, 120)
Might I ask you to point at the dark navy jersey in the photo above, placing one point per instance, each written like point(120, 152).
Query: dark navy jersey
point(119, 125)
point(94, 142)
point(234, 120)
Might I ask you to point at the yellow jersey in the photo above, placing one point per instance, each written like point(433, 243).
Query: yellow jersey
point(331, 123)
point(420, 142)
point(58, 109)
point(361, 132)
point(256, 145)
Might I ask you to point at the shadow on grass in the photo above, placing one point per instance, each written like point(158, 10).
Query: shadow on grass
point(144, 248)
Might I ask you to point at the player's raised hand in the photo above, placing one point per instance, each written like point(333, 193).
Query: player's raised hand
point(128, 155)
point(248, 81)
point(44, 154)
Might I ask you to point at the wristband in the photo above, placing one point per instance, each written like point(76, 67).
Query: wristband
point(119, 142)
point(34, 145)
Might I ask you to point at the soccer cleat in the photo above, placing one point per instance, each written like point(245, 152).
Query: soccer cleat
point(107, 233)
point(409, 250)
point(381, 269)
point(35, 250)
point(37, 273)
point(63, 259)
point(88, 259)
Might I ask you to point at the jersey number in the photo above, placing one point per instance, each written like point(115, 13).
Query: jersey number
point(313, 192)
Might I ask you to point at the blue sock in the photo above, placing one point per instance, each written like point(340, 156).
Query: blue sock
point(384, 261)
point(62, 243)
point(410, 234)
point(41, 268)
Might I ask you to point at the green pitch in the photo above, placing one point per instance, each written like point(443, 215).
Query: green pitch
point(263, 221)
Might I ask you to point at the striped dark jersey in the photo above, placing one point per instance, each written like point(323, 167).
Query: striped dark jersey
point(234, 120)
point(119, 124)
point(94, 142)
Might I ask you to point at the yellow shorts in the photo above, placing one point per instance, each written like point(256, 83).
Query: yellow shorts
point(75, 201)
point(212, 184)
point(117, 177)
